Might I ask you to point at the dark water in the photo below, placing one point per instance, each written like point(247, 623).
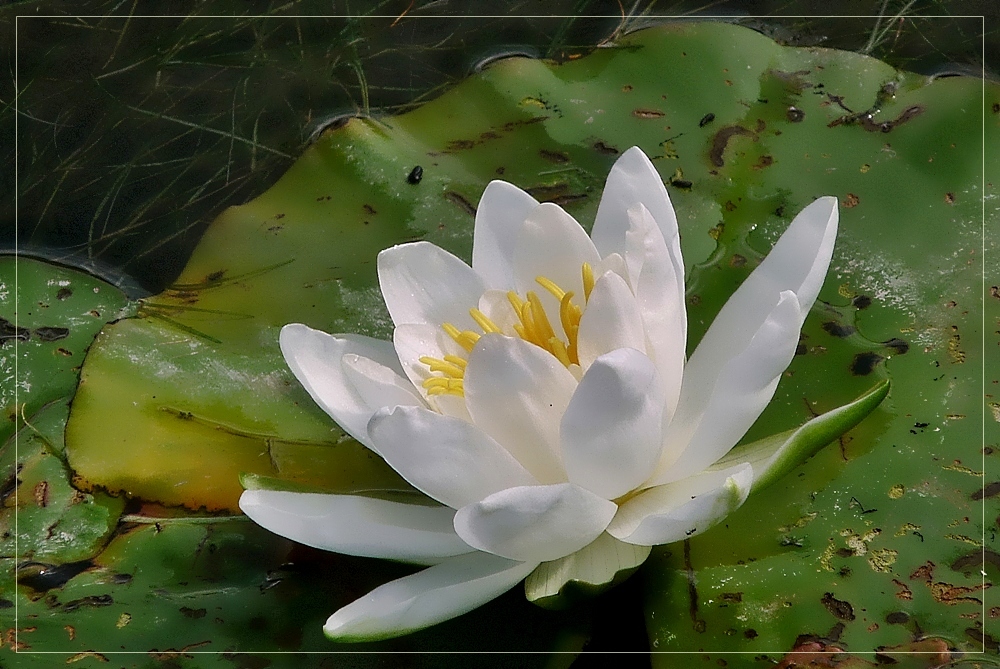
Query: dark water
point(134, 132)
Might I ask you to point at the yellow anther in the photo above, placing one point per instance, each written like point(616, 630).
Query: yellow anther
point(465, 338)
point(457, 361)
point(483, 321)
point(550, 285)
point(441, 386)
point(541, 321)
point(443, 366)
point(558, 349)
point(515, 302)
point(588, 280)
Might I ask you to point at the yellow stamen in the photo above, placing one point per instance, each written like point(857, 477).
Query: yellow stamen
point(550, 285)
point(483, 321)
point(442, 386)
point(569, 315)
point(465, 338)
point(558, 349)
point(515, 302)
point(445, 367)
point(541, 321)
point(588, 280)
point(457, 361)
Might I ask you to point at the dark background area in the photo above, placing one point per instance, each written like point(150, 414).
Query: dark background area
point(134, 132)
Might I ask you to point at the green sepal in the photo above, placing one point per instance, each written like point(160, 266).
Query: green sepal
point(595, 568)
point(773, 457)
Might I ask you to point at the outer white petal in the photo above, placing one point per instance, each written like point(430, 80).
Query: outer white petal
point(450, 460)
point(683, 509)
point(552, 244)
point(535, 523)
point(516, 393)
point(612, 320)
point(315, 359)
point(377, 385)
point(736, 397)
point(658, 284)
point(422, 283)
point(426, 598)
point(355, 525)
point(798, 262)
point(633, 180)
point(499, 219)
point(610, 433)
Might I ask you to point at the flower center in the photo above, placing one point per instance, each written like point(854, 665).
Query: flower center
point(533, 326)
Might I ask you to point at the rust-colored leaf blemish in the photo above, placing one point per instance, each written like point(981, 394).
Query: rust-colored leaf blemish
point(605, 148)
point(647, 113)
point(864, 363)
point(904, 592)
point(989, 490)
point(41, 494)
point(850, 201)
point(721, 139)
point(839, 608)
point(460, 145)
point(924, 572)
point(763, 162)
point(86, 655)
point(557, 157)
point(949, 198)
point(460, 202)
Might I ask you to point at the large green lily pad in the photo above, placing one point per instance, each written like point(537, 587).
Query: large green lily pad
point(746, 133)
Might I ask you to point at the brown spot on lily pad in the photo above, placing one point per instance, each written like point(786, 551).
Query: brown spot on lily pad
point(50, 333)
point(648, 113)
point(839, 608)
point(864, 363)
point(839, 330)
point(606, 149)
point(851, 201)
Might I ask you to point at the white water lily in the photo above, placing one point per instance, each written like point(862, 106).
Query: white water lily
point(543, 398)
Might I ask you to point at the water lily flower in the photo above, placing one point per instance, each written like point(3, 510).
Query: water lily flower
point(543, 399)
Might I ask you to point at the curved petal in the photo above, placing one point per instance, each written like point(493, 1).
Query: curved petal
point(516, 393)
point(610, 434)
point(600, 564)
point(535, 523)
point(376, 384)
point(450, 460)
point(316, 360)
point(355, 525)
point(612, 320)
point(676, 511)
point(499, 218)
point(701, 435)
point(426, 598)
point(658, 285)
point(633, 180)
point(422, 283)
point(552, 244)
point(798, 262)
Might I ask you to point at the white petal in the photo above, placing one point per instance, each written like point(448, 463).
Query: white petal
point(315, 359)
point(698, 436)
point(633, 180)
point(516, 393)
point(658, 285)
point(552, 244)
point(610, 433)
point(426, 598)
point(377, 385)
point(683, 509)
point(422, 283)
point(613, 263)
point(450, 460)
point(355, 525)
point(612, 320)
point(535, 523)
point(798, 262)
point(602, 562)
point(499, 219)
